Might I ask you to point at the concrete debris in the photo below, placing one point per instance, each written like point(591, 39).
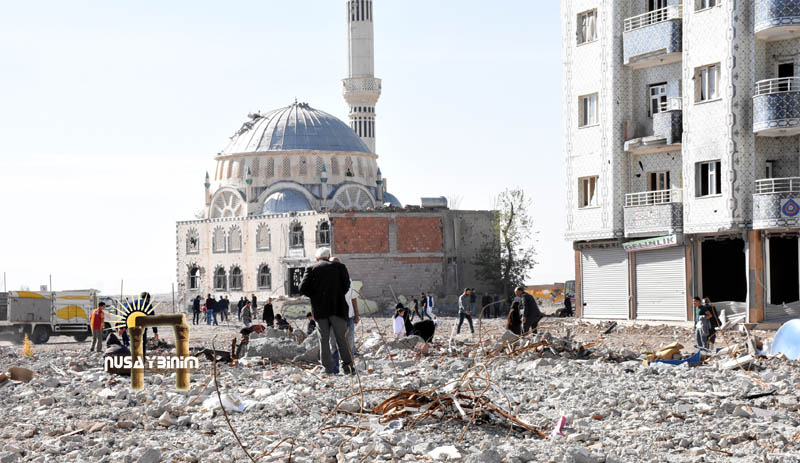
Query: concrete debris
point(568, 393)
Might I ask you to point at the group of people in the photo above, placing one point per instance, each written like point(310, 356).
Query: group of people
point(246, 310)
point(706, 323)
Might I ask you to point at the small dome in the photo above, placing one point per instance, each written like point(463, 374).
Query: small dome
point(297, 127)
point(285, 200)
point(391, 199)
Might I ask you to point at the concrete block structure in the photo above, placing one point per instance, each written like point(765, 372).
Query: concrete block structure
point(295, 179)
point(682, 154)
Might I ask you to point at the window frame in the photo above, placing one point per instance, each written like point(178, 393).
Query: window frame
point(194, 276)
point(702, 5)
point(582, 35)
point(296, 238)
point(263, 228)
point(224, 241)
point(230, 239)
point(261, 274)
point(323, 234)
point(769, 168)
point(703, 80)
point(586, 107)
point(192, 233)
point(710, 180)
point(236, 280)
point(588, 185)
point(224, 276)
point(661, 176)
point(661, 98)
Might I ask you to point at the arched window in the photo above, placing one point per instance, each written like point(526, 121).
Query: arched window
point(236, 278)
point(263, 238)
point(348, 167)
point(235, 239)
point(220, 279)
point(218, 240)
point(270, 167)
point(324, 234)
point(192, 241)
point(295, 235)
point(264, 277)
point(194, 277)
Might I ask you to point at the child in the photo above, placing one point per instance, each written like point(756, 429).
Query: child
point(282, 324)
point(399, 321)
point(704, 328)
point(311, 325)
point(514, 323)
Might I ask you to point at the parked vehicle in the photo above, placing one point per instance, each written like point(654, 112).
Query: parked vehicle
point(42, 314)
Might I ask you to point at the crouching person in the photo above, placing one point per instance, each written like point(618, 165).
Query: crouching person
point(117, 352)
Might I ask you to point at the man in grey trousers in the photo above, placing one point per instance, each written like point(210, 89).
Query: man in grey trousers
point(326, 283)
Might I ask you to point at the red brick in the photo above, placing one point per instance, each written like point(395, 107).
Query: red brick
point(362, 235)
point(419, 260)
point(419, 234)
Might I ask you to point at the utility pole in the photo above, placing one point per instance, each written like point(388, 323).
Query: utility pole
point(173, 297)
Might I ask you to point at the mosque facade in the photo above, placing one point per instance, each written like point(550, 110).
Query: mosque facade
point(296, 178)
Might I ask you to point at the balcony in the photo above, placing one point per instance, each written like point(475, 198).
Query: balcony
point(776, 203)
point(653, 38)
point(777, 19)
point(776, 107)
point(667, 131)
point(653, 213)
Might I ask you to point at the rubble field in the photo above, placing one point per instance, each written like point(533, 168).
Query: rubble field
point(573, 392)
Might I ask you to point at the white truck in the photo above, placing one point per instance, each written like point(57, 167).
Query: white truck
point(41, 314)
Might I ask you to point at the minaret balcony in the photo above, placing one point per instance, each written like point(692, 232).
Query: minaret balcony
point(652, 213)
point(369, 87)
point(776, 107)
point(776, 203)
point(653, 38)
point(777, 19)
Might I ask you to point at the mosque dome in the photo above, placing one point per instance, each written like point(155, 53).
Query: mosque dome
point(285, 200)
point(297, 127)
point(391, 199)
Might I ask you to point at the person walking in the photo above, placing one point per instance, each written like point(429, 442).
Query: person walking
point(210, 302)
point(254, 300)
point(247, 314)
point(702, 325)
point(465, 310)
point(430, 304)
point(352, 314)
point(399, 321)
point(217, 308)
point(326, 283)
point(269, 313)
point(714, 323)
point(529, 310)
point(486, 307)
point(96, 323)
point(415, 306)
point(196, 310)
point(239, 306)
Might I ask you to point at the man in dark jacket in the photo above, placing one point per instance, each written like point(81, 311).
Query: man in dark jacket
point(269, 313)
point(530, 310)
point(239, 306)
point(196, 310)
point(486, 308)
point(326, 284)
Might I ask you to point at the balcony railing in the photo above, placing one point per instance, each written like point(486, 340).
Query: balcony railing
point(650, 198)
point(672, 104)
point(782, 85)
point(653, 17)
point(778, 185)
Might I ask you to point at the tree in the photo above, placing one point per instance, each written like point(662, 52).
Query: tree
point(506, 259)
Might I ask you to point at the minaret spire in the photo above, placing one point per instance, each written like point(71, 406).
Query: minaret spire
point(361, 88)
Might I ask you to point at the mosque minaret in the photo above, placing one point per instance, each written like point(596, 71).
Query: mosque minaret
point(361, 88)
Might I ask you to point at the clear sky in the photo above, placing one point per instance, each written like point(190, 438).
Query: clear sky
point(111, 113)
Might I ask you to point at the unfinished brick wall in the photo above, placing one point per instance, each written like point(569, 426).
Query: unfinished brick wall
point(360, 235)
point(419, 234)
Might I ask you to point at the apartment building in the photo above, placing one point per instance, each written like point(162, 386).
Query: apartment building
point(682, 155)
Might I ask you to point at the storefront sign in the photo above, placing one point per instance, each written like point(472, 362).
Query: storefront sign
point(652, 243)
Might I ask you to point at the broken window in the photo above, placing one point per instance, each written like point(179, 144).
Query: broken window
point(264, 278)
point(194, 278)
point(236, 278)
point(324, 234)
point(295, 235)
point(220, 279)
point(192, 241)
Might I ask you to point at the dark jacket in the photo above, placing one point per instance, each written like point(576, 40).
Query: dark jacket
point(485, 301)
point(210, 303)
point(326, 283)
point(514, 322)
point(530, 310)
point(196, 304)
point(269, 315)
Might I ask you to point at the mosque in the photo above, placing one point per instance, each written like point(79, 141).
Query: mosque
point(297, 178)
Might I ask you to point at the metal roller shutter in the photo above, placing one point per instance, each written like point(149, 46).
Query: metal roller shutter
point(605, 283)
point(661, 284)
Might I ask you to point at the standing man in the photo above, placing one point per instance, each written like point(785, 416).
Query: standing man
point(530, 310)
point(96, 321)
point(255, 301)
point(196, 310)
point(210, 302)
point(240, 305)
point(465, 310)
point(247, 314)
point(326, 283)
point(430, 305)
point(486, 306)
point(352, 314)
point(473, 298)
point(269, 313)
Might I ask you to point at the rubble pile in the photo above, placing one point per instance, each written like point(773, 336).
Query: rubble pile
point(562, 396)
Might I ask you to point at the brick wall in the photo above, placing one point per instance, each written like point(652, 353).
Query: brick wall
point(419, 234)
point(360, 235)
